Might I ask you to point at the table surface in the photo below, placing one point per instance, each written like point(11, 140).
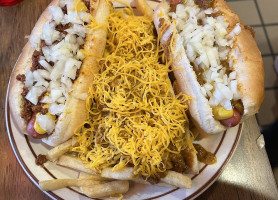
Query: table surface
point(247, 176)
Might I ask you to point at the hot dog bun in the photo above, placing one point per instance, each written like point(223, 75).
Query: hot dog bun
point(75, 107)
point(22, 66)
point(76, 104)
point(247, 63)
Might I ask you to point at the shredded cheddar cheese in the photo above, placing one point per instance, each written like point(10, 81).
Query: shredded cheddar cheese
point(134, 118)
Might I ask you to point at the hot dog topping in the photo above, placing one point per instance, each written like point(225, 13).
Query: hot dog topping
point(205, 156)
point(134, 117)
point(56, 60)
point(204, 4)
point(232, 121)
point(21, 77)
point(207, 44)
point(41, 159)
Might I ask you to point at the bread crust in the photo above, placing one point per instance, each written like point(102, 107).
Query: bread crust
point(249, 61)
point(248, 65)
point(75, 106)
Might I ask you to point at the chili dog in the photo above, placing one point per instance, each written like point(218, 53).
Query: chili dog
point(215, 60)
point(51, 78)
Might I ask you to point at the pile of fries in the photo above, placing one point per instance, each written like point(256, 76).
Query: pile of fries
point(105, 184)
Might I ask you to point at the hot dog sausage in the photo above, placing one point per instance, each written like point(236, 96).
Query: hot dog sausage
point(233, 121)
point(31, 130)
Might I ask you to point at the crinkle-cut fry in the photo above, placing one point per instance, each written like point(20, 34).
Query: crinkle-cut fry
point(123, 174)
point(106, 189)
point(59, 150)
point(56, 184)
point(144, 8)
point(177, 179)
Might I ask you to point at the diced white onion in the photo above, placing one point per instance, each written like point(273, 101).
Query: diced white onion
point(57, 13)
point(46, 123)
point(55, 94)
point(45, 65)
point(207, 43)
point(39, 79)
point(44, 74)
point(34, 93)
point(227, 105)
point(29, 79)
point(65, 54)
point(48, 32)
point(35, 40)
point(61, 100)
point(46, 99)
point(78, 30)
point(56, 109)
point(57, 70)
point(71, 67)
point(54, 85)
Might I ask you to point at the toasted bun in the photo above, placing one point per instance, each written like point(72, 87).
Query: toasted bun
point(75, 107)
point(247, 62)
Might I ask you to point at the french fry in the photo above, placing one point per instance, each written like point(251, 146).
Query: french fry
point(177, 179)
point(161, 184)
point(74, 163)
point(144, 8)
point(84, 175)
point(59, 150)
point(172, 178)
point(123, 174)
point(106, 189)
point(56, 184)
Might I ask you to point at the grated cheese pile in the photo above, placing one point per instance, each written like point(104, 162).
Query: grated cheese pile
point(134, 117)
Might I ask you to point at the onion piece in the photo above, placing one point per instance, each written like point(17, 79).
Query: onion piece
point(71, 67)
point(78, 30)
point(57, 70)
point(46, 122)
point(44, 74)
point(46, 65)
point(34, 93)
point(56, 109)
point(29, 79)
point(57, 13)
point(55, 94)
point(46, 99)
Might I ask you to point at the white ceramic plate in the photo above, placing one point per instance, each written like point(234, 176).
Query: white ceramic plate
point(26, 150)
